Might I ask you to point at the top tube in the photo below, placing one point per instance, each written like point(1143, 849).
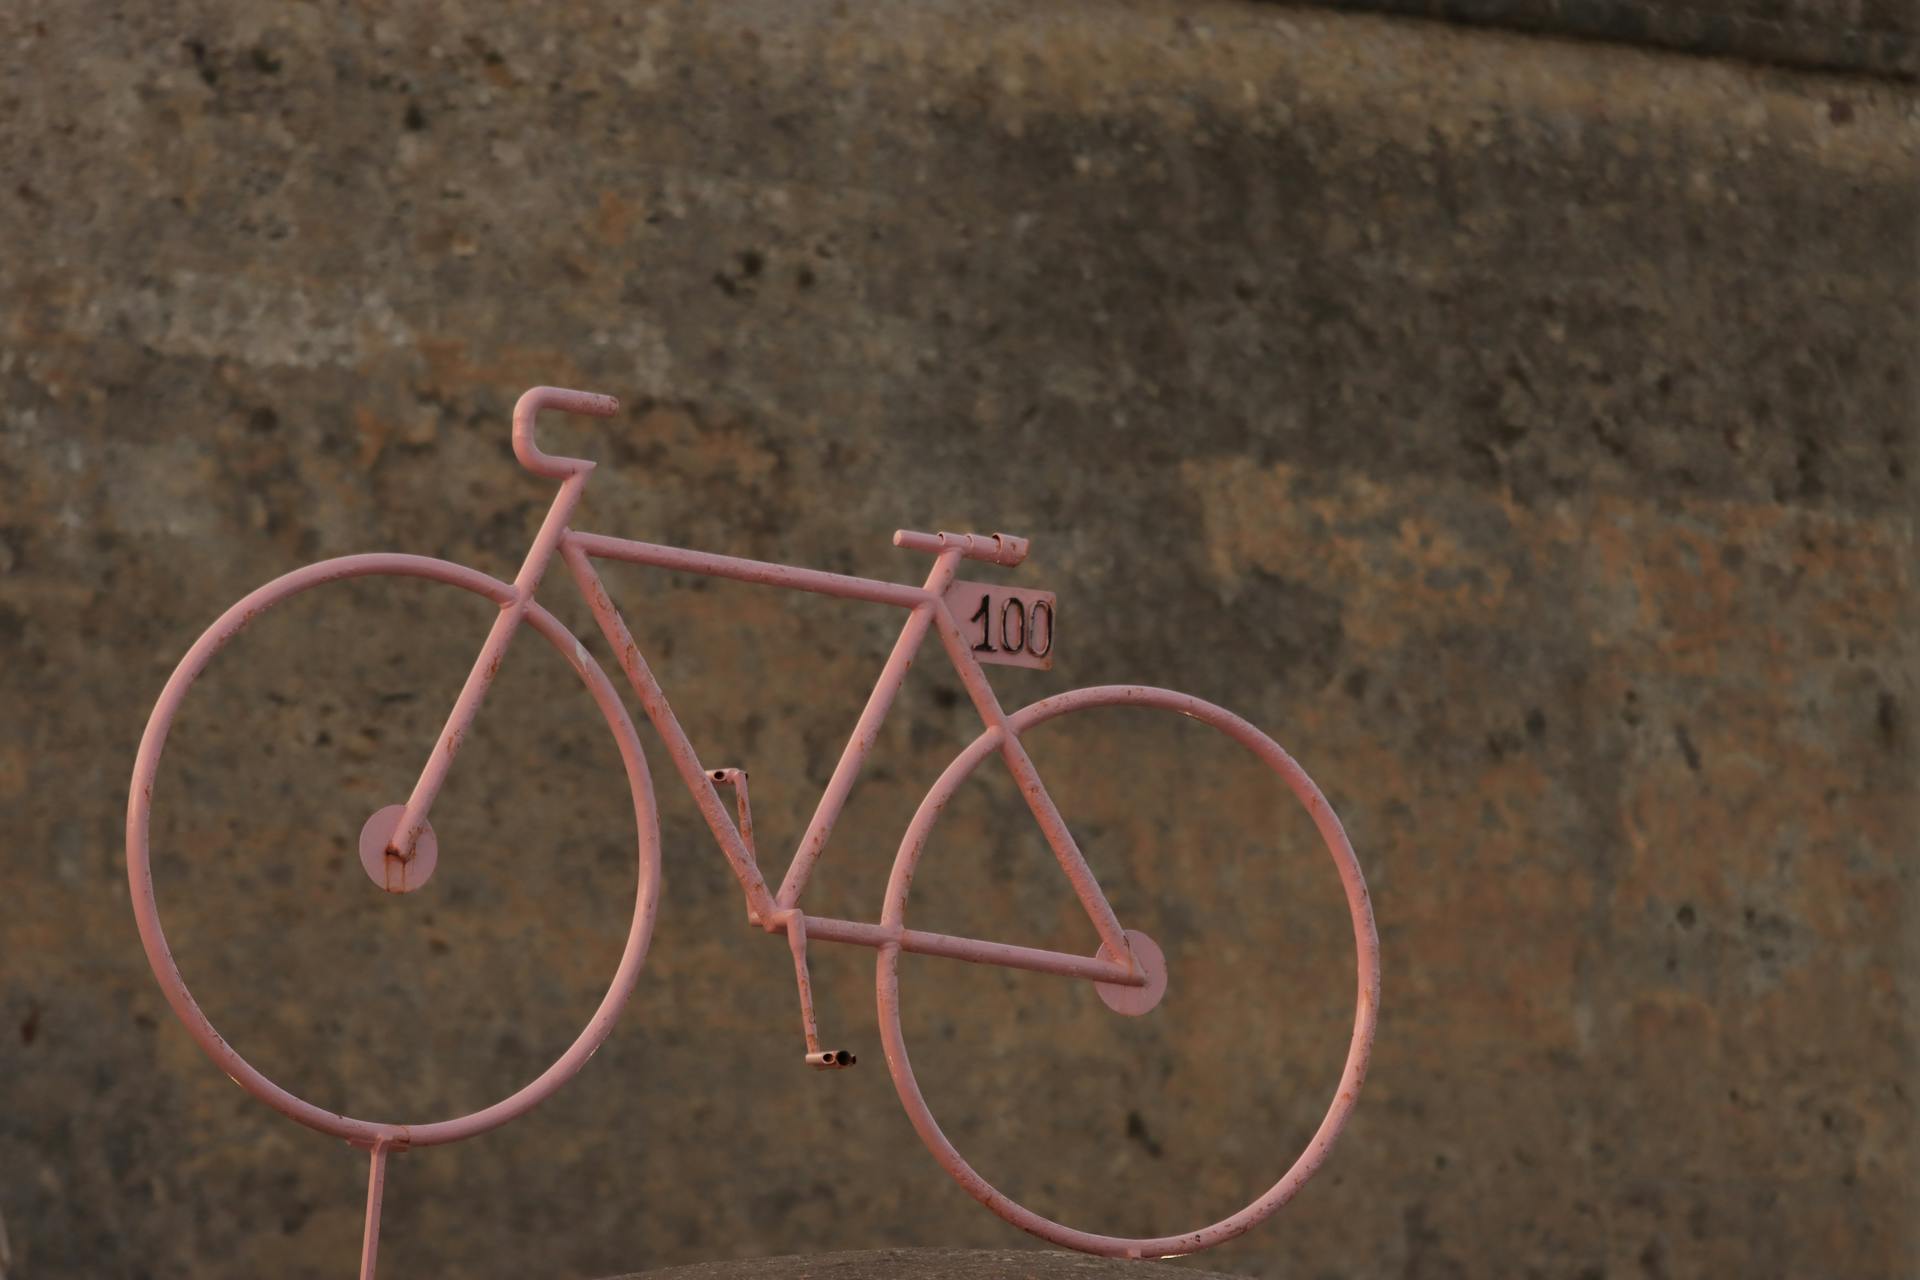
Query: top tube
point(765, 572)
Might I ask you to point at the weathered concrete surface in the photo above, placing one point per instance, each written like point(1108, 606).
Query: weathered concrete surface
point(1521, 430)
point(922, 1264)
point(1874, 37)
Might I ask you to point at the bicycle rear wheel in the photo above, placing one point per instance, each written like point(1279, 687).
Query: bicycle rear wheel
point(1277, 762)
point(140, 873)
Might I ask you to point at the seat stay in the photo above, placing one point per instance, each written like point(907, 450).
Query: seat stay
point(1066, 850)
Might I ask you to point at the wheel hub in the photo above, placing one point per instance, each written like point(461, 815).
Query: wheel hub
point(389, 870)
point(1134, 1001)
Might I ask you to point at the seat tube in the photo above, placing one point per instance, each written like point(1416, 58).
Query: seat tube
point(486, 666)
point(867, 729)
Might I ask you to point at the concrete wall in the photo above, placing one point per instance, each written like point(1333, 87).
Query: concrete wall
point(1519, 429)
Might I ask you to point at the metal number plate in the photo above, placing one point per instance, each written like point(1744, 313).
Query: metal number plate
point(1005, 625)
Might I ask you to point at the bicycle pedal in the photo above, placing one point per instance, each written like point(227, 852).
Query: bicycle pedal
point(831, 1060)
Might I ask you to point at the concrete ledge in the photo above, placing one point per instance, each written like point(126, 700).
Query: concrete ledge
point(1872, 38)
point(919, 1264)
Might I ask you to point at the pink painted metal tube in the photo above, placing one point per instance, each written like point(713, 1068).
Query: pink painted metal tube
point(737, 779)
point(795, 925)
point(764, 572)
point(653, 700)
point(996, 548)
point(865, 731)
point(487, 665)
point(573, 471)
point(972, 950)
point(376, 1191)
point(526, 413)
point(1065, 850)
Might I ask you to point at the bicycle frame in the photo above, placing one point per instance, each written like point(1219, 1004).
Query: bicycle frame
point(398, 850)
point(775, 911)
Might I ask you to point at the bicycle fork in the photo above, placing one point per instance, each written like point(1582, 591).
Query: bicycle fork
point(794, 922)
point(397, 845)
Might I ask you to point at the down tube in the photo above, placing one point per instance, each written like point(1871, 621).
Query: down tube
point(653, 700)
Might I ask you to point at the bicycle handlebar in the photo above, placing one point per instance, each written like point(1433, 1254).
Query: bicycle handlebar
point(527, 410)
point(999, 548)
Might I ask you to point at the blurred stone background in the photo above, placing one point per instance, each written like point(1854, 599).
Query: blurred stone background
point(1516, 426)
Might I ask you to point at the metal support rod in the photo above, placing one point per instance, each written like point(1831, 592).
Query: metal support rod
point(376, 1188)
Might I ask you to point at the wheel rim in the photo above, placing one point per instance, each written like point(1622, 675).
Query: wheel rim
point(140, 872)
point(1366, 945)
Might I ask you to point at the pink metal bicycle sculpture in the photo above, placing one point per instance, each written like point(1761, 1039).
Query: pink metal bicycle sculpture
point(976, 624)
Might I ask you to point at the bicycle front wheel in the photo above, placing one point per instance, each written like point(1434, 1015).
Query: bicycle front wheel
point(1270, 761)
point(140, 872)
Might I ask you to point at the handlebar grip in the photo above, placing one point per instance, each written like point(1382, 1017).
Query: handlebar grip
point(591, 403)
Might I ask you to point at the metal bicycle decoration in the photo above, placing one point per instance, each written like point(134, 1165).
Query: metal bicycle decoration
point(976, 624)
